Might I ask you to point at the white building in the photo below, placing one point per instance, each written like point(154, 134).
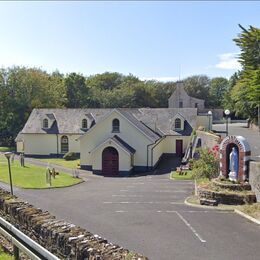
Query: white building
point(110, 141)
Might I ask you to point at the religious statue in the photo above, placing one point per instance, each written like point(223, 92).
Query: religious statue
point(233, 165)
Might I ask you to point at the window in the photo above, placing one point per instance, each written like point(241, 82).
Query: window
point(45, 123)
point(64, 144)
point(115, 126)
point(177, 123)
point(196, 105)
point(180, 104)
point(84, 123)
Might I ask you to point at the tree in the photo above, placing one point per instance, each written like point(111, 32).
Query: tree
point(246, 92)
point(105, 81)
point(23, 89)
point(217, 87)
point(76, 91)
point(198, 87)
point(249, 43)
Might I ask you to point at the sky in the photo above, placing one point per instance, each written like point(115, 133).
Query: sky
point(151, 40)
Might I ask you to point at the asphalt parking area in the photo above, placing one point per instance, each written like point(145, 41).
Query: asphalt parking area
point(147, 214)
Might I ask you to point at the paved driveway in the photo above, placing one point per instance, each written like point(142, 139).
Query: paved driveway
point(146, 214)
point(253, 137)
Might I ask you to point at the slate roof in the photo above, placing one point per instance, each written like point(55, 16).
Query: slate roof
point(154, 122)
point(122, 143)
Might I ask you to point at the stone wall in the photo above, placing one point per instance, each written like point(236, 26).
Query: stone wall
point(254, 178)
point(226, 198)
point(63, 239)
point(208, 140)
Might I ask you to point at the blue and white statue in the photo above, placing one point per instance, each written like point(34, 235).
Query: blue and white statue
point(233, 165)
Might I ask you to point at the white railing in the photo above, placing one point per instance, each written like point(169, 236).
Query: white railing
point(23, 243)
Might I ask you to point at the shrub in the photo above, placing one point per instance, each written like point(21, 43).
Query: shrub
point(70, 156)
point(207, 166)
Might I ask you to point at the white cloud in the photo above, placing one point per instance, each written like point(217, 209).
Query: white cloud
point(228, 61)
point(163, 79)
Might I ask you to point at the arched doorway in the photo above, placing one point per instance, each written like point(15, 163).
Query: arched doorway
point(110, 161)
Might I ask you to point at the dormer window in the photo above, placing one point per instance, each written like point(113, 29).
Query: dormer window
point(115, 126)
point(177, 123)
point(45, 123)
point(84, 123)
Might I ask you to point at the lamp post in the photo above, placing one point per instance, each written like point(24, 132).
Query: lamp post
point(227, 113)
point(8, 155)
point(209, 115)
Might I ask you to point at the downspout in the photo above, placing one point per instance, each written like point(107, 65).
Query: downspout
point(147, 154)
point(57, 145)
point(154, 147)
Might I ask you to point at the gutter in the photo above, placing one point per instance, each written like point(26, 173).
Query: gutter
point(57, 137)
point(154, 147)
point(147, 154)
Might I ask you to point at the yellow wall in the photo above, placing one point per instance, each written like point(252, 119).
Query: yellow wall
point(124, 158)
point(103, 131)
point(168, 145)
point(45, 144)
point(19, 146)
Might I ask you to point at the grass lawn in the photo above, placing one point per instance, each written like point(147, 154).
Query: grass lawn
point(32, 176)
point(252, 210)
point(5, 256)
point(6, 148)
point(60, 161)
point(187, 175)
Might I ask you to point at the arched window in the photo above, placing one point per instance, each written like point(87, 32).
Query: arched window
point(177, 123)
point(84, 123)
point(115, 126)
point(45, 123)
point(64, 144)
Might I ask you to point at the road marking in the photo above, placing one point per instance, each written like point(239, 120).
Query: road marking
point(131, 196)
point(121, 211)
point(123, 190)
point(142, 202)
point(190, 227)
point(172, 191)
point(207, 211)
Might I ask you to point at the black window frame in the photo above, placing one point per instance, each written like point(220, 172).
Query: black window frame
point(64, 146)
point(115, 126)
point(177, 123)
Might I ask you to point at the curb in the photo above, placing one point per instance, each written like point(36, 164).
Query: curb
point(247, 216)
point(204, 207)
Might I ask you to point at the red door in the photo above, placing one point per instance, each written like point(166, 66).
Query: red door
point(179, 147)
point(110, 161)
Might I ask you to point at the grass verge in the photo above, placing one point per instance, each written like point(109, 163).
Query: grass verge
point(33, 176)
point(60, 161)
point(7, 148)
point(186, 175)
point(5, 256)
point(253, 210)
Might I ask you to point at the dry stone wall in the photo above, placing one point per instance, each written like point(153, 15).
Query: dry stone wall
point(226, 198)
point(63, 239)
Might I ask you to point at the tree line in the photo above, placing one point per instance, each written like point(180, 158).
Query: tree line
point(22, 89)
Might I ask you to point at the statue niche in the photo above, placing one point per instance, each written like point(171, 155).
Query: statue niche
point(234, 158)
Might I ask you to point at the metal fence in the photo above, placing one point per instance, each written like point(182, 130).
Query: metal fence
point(23, 243)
